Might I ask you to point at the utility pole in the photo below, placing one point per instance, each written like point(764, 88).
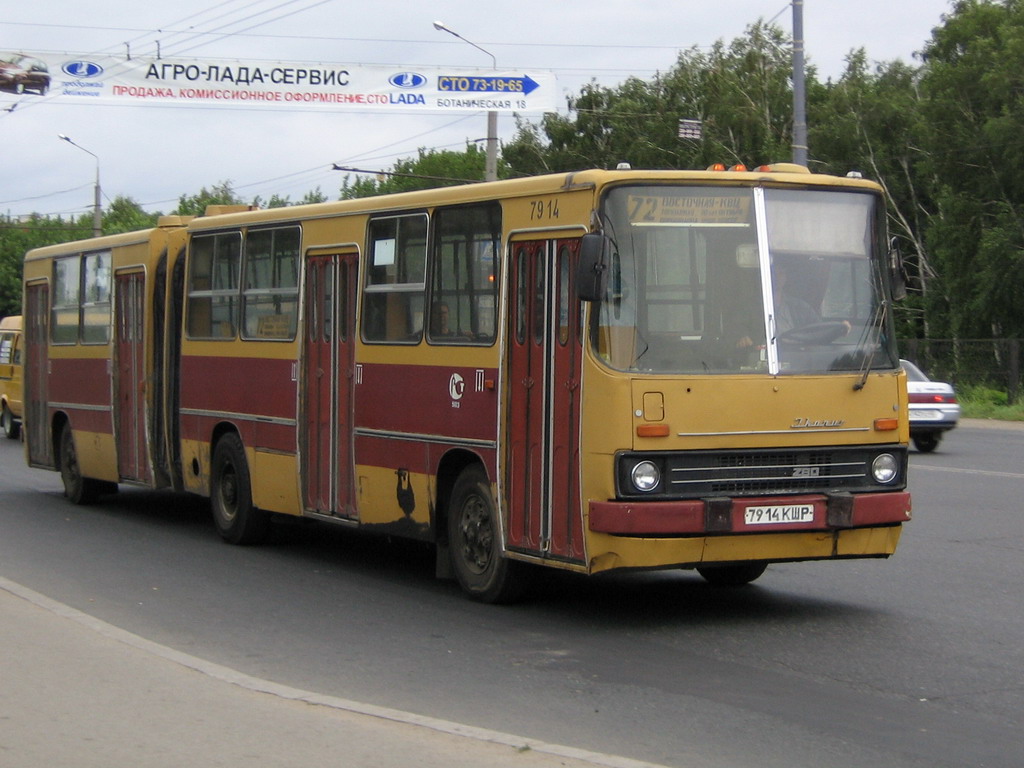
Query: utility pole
point(799, 91)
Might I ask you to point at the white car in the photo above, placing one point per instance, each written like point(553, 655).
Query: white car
point(934, 409)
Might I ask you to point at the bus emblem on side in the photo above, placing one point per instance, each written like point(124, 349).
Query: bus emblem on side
point(456, 387)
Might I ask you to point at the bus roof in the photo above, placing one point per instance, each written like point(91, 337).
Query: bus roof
point(782, 174)
point(165, 223)
point(11, 323)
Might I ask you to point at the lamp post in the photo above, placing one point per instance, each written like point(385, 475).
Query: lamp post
point(97, 211)
point(491, 168)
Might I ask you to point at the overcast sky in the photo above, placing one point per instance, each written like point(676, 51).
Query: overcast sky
point(154, 154)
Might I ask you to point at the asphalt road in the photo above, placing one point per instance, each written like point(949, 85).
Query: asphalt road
point(912, 661)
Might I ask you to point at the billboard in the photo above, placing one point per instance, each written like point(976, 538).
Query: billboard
point(359, 87)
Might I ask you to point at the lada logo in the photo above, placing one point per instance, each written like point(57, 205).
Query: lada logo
point(82, 69)
point(407, 80)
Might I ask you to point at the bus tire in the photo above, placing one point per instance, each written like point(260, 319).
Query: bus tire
point(237, 520)
point(474, 543)
point(10, 427)
point(731, 575)
point(78, 489)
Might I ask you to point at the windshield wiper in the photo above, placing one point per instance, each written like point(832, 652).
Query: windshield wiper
point(877, 323)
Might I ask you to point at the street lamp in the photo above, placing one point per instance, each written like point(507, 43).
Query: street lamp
point(491, 168)
point(97, 212)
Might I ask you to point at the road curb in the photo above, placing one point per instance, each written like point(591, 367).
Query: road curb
point(258, 685)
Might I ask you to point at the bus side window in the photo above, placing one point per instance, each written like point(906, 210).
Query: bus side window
point(96, 297)
point(213, 286)
point(270, 300)
point(393, 300)
point(66, 296)
point(464, 269)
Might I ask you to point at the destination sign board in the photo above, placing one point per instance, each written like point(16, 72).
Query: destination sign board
point(681, 209)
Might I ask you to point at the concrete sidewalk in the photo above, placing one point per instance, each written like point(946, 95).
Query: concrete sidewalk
point(77, 692)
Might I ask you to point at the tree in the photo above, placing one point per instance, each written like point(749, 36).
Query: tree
point(125, 215)
point(218, 194)
point(17, 236)
point(431, 168)
point(973, 87)
point(872, 122)
point(276, 201)
point(739, 92)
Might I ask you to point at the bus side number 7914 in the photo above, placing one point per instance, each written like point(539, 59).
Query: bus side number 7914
point(543, 209)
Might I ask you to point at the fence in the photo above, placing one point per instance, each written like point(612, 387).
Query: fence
point(993, 363)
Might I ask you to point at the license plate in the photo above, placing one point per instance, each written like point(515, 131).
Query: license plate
point(922, 414)
point(779, 514)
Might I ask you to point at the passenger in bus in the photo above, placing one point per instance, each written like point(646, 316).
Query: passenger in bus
point(439, 314)
point(439, 323)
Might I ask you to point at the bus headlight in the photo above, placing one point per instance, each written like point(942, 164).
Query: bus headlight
point(645, 476)
point(885, 468)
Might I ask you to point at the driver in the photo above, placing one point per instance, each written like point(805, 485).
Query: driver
point(791, 311)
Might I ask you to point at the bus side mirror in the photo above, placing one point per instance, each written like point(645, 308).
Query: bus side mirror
point(897, 271)
point(592, 271)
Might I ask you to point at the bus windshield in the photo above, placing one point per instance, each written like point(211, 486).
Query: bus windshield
point(744, 280)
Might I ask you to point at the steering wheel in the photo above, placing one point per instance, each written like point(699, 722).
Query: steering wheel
point(815, 333)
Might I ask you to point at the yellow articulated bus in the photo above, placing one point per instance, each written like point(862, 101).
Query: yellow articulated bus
point(587, 371)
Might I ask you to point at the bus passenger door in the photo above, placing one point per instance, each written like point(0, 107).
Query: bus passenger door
point(130, 412)
point(328, 369)
point(544, 355)
point(36, 415)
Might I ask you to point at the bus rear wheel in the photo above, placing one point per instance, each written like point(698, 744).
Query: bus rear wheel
point(474, 543)
point(10, 427)
point(237, 520)
point(78, 489)
point(731, 575)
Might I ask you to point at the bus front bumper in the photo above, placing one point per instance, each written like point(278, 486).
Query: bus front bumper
point(749, 515)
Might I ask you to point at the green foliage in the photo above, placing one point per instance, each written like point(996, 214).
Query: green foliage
point(973, 105)
point(125, 215)
point(218, 194)
point(17, 237)
point(431, 168)
point(979, 402)
point(739, 92)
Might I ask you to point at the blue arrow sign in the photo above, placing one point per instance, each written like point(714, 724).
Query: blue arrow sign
point(487, 84)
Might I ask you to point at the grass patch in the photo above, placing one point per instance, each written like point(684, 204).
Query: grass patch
point(979, 402)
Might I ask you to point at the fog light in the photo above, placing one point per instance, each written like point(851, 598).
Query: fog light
point(645, 476)
point(885, 468)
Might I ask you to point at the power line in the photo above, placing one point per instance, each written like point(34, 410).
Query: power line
point(371, 40)
point(258, 24)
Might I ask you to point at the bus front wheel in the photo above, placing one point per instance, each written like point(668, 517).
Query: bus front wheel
point(731, 575)
point(237, 520)
point(474, 543)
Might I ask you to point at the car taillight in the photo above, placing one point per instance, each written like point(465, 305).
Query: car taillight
point(921, 397)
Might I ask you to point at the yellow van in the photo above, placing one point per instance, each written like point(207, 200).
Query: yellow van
point(10, 375)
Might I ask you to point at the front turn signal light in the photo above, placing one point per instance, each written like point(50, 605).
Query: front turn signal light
point(652, 430)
